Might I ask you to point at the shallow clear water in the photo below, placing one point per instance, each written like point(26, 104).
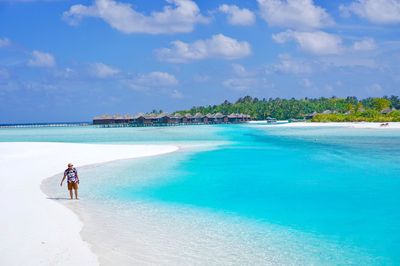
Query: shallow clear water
point(93, 134)
point(269, 196)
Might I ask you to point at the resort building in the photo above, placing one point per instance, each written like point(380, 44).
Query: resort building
point(387, 111)
point(165, 119)
point(112, 119)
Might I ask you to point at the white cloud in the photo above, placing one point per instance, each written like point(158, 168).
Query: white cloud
point(376, 11)
point(219, 46)
point(41, 59)
point(102, 70)
point(240, 84)
point(66, 73)
point(289, 65)
point(153, 80)
point(364, 45)
point(240, 70)
point(4, 42)
point(177, 94)
point(316, 42)
point(244, 79)
point(177, 17)
point(238, 16)
point(298, 14)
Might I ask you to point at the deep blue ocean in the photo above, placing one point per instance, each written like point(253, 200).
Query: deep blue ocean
point(334, 189)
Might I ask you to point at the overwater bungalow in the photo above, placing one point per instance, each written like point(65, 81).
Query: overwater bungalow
point(235, 118)
point(165, 119)
point(218, 118)
point(139, 119)
point(103, 120)
point(123, 119)
point(113, 119)
point(210, 118)
point(187, 118)
point(198, 118)
point(177, 119)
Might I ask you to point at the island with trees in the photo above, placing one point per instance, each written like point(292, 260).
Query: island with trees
point(334, 109)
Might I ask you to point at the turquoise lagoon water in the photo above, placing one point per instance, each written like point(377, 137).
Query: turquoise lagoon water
point(267, 196)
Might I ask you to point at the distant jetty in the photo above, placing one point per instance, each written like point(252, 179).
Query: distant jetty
point(34, 125)
point(164, 119)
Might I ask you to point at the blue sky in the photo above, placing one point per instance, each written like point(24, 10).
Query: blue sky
point(71, 60)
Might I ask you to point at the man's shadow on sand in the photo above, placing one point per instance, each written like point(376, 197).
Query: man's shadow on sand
point(58, 198)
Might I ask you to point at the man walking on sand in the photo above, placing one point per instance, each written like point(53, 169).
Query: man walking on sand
point(72, 180)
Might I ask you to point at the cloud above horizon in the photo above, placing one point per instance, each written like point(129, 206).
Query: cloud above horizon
point(294, 14)
point(288, 65)
point(237, 16)
point(375, 11)
point(152, 80)
point(367, 44)
point(102, 70)
point(316, 42)
point(218, 46)
point(41, 59)
point(179, 16)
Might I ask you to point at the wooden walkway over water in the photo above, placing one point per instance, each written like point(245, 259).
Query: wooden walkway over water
point(45, 125)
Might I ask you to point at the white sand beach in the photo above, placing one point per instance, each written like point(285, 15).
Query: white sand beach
point(36, 230)
point(331, 124)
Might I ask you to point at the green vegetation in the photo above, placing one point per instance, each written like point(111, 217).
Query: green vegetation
point(340, 109)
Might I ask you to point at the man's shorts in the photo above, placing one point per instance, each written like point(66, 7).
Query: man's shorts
point(72, 185)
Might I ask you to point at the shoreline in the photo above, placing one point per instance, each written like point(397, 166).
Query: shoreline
point(369, 125)
point(44, 232)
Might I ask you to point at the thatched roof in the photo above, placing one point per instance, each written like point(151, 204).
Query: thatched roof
point(162, 115)
point(198, 115)
point(209, 115)
point(128, 116)
point(233, 115)
point(177, 116)
point(102, 117)
point(151, 116)
point(386, 111)
point(218, 115)
point(139, 115)
point(118, 117)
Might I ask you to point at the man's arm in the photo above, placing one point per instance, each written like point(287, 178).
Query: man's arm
point(62, 180)
point(77, 177)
